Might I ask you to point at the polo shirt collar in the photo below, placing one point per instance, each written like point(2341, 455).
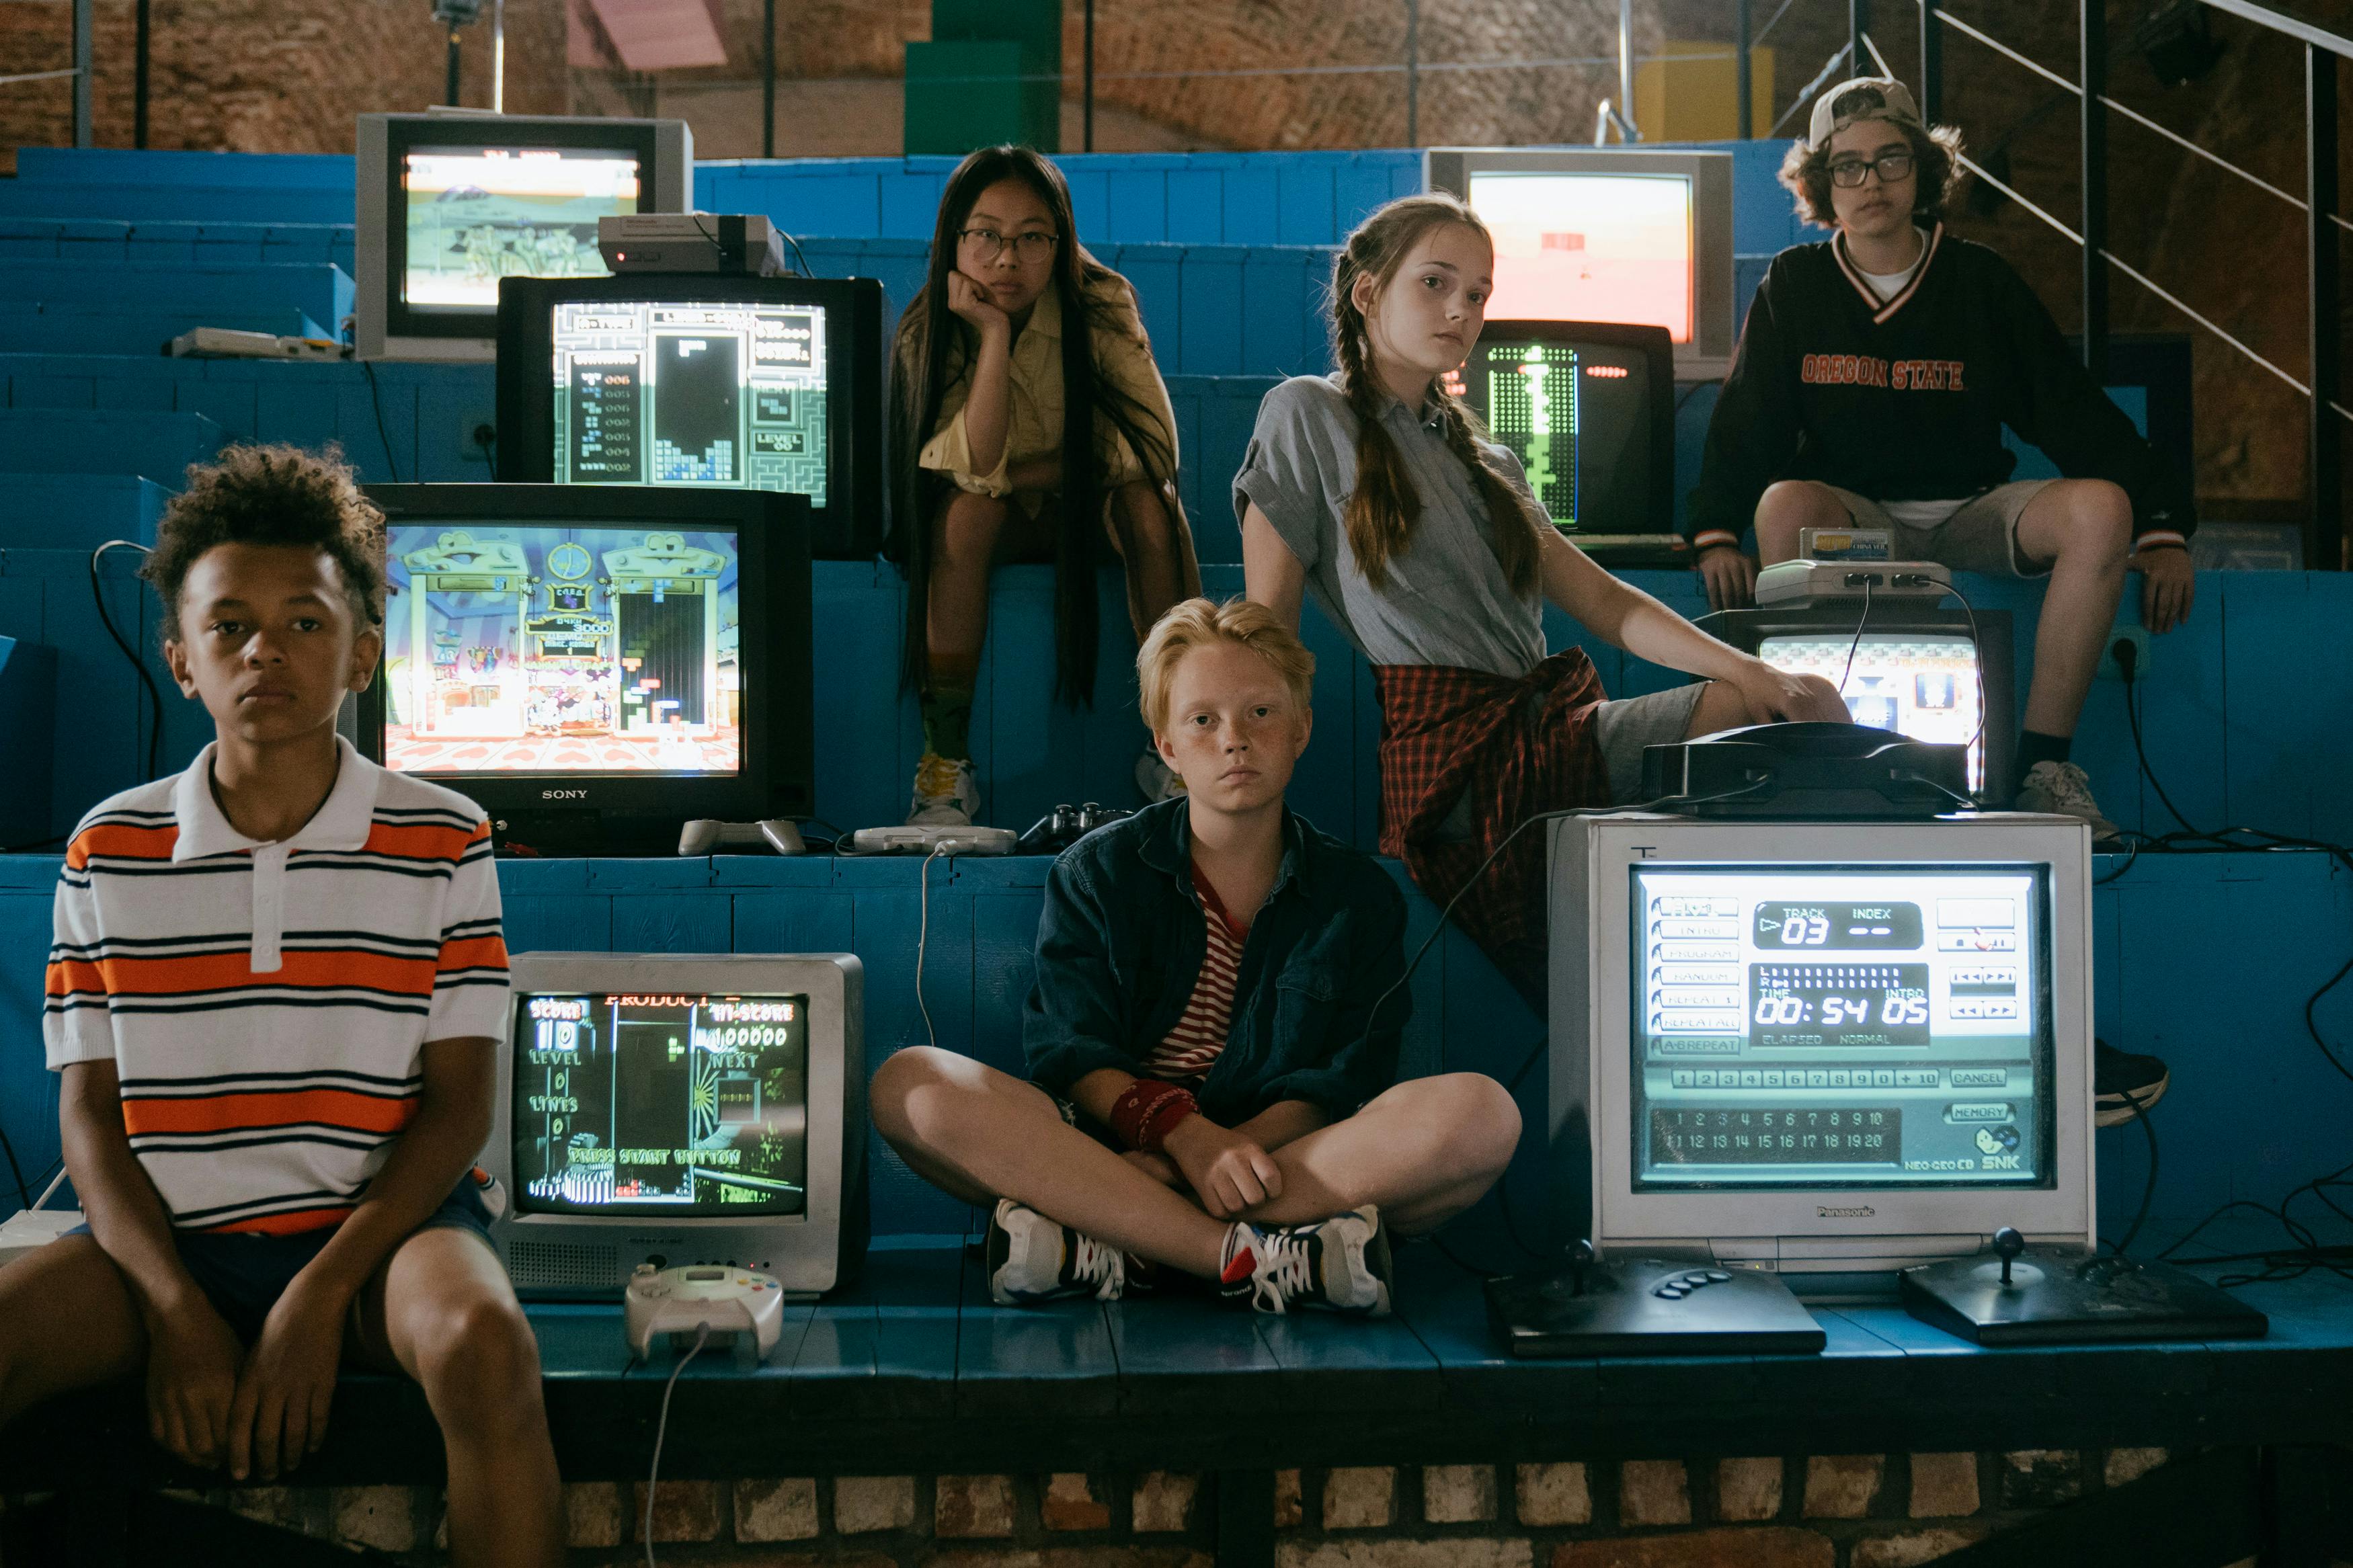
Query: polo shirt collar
point(342, 821)
point(1168, 847)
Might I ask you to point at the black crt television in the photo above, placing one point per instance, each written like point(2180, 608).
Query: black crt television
point(701, 382)
point(449, 203)
point(1588, 408)
point(1920, 670)
point(595, 666)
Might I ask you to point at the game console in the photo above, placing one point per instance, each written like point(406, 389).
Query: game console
point(1066, 825)
point(226, 343)
point(705, 834)
point(2048, 1297)
point(1648, 1306)
point(745, 243)
point(933, 841)
point(1797, 583)
point(678, 1304)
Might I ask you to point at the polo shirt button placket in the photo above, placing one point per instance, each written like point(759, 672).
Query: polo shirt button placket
point(269, 908)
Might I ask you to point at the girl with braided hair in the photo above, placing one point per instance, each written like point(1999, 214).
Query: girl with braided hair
point(1375, 489)
point(1027, 423)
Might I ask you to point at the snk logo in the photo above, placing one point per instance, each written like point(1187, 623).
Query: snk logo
point(1865, 1211)
point(564, 795)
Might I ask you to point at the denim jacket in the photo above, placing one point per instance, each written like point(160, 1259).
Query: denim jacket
point(1120, 945)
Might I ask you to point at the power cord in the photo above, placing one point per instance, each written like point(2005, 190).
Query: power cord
point(2149, 1183)
point(24, 1188)
point(922, 935)
point(784, 234)
point(375, 401)
point(653, 1471)
point(138, 665)
point(1860, 622)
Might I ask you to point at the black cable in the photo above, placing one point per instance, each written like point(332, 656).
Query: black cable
point(138, 665)
point(1472, 1269)
point(784, 234)
point(375, 401)
point(1860, 622)
point(1976, 659)
point(24, 1188)
point(31, 844)
point(2127, 660)
point(2148, 1185)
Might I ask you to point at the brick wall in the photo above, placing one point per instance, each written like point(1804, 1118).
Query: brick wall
point(1868, 1511)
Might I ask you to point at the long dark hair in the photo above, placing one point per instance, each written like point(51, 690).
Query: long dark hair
point(934, 348)
point(1385, 505)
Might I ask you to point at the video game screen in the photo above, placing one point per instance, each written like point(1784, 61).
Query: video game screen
point(1826, 1027)
point(1589, 247)
point(1920, 684)
point(726, 393)
point(1578, 416)
point(691, 1105)
point(475, 215)
point(547, 649)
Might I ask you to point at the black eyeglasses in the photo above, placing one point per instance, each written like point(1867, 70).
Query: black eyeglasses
point(987, 245)
point(1848, 172)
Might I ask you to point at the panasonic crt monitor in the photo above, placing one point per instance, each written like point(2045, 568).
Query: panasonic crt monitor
point(1587, 407)
point(1832, 1050)
point(1919, 670)
point(1622, 235)
point(701, 382)
point(681, 1109)
point(594, 668)
point(449, 202)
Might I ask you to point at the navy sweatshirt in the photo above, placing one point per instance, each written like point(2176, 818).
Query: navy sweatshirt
point(1905, 399)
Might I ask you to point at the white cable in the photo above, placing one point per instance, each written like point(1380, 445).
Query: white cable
point(653, 1472)
point(923, 934)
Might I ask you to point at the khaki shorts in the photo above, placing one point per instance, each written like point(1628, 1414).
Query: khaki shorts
point(1982, 536)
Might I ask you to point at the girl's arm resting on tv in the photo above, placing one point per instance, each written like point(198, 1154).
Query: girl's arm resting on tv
point(1272, 574)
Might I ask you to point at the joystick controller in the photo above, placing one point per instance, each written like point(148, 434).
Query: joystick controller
point(1647, 1306)
point(674, 1302)
point(705, 834)
point(2025, 1296)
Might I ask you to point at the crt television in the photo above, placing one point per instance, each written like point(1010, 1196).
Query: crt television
point(1607, 235)
point(681, 1109)
point(1588, 409)
point(1827, 1050)
point(702, 382)
point(1932, 674)
point(449, 202)
point(594, 666)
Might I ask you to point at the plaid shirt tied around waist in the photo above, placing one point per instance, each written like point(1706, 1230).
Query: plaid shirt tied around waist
point(1509, 748)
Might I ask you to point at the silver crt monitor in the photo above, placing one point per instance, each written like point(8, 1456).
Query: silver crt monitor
point(1827, 1050)
point(679, 1109)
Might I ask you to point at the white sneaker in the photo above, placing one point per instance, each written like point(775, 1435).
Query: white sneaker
point(1033, 1259)
point(1156, 780)
point(1340, 1263)
point(947, 794)
point(2063, 789)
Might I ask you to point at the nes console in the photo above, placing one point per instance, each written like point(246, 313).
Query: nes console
point(745, 243)
point(1807, 582)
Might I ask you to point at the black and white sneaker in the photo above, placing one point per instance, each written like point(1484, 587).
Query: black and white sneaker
point(1032, 1259)
point(1340, 1263)
point(2119, 1074)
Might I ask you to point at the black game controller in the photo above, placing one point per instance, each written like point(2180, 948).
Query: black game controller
point(1647, 1306)
point(1065, 825)
point(2026, 1295)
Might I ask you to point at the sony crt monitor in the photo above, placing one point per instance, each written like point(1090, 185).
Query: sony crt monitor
point(1587, 407)
point(594, 668)
point(701, 382)
point(450, 202)
point(1933, 674)
point(681, 1109)
point(1619, 234)
point(1829, 1050)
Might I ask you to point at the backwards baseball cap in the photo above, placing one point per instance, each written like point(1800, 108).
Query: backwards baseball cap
point(1862, 98)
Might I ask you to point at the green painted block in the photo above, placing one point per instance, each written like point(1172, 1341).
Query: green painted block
point(963, 94)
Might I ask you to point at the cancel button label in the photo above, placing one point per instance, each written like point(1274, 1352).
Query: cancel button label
point(1980, 1077)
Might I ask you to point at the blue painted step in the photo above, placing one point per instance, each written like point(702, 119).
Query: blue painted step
point(179, 244)
point(158, 446)
point(31, 327)
point(77, 512)
point(320, 290)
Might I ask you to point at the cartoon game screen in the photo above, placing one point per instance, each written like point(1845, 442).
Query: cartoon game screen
point(628, 1104)
point(717, 393)
point(545, 649)
point(1589, 247)
point(476, 215)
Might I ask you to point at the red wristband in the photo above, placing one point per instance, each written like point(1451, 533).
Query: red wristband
point(1162, 1118)
point(1145, 1112)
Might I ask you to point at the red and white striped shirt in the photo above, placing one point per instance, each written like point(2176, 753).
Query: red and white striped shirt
point(1200, 1034)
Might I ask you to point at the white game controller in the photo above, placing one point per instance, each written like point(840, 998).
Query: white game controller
point(671, 1301)
point(705, 834)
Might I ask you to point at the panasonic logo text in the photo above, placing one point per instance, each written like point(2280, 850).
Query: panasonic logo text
point(1865, 1211)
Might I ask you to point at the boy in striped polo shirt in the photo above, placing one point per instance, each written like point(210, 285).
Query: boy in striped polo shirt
point(275, 1000)
point(1212, 1066)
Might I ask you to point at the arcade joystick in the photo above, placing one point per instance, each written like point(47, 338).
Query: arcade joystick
point(2030, 1297)
point(1647, 1306)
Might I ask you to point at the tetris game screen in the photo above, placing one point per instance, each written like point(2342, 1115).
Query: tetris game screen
point(1840, 1027)
point(1578, 416)
point(1589, 247)
point(1921, 684)
point(546, 649)
point(476, 215)
point(727, 394)
point(661, 1104)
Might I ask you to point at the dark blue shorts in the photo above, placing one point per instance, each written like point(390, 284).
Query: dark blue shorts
point(243, 1273)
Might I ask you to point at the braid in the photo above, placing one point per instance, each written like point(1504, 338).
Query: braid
point(1516, 523)
point(1385, 505)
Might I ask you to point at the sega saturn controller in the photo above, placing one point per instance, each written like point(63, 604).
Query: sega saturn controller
point(705, 834)
point(679, 1303)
